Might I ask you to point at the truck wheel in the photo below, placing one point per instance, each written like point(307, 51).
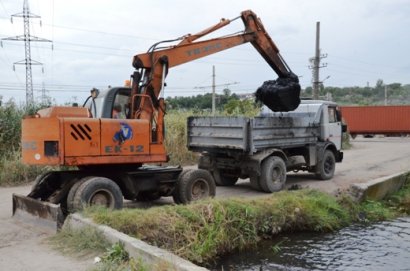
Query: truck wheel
point(196, 185)
point(223, 180)
point(98, 191)
point(273, 177)
point(326, 167)
point(176, 194)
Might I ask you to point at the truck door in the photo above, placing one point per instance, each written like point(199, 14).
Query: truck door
point(333, 127)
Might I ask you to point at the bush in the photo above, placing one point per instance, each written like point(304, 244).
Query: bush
point(12, 170)
point(10, 128)
point(176, 138)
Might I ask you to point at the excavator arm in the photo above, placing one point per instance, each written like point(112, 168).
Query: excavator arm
point(152, 67)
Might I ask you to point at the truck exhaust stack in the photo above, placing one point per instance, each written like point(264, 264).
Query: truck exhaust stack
point(280, 95)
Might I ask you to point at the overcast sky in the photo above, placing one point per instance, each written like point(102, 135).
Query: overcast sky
point(94, 42)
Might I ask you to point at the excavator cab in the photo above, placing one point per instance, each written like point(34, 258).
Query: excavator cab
point(103, 104)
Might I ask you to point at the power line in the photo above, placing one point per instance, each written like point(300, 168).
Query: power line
point(27, 38)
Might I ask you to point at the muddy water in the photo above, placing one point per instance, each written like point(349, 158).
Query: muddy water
point(382, 246)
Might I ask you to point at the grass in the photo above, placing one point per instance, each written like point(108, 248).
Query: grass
point(201, 231)
point(204, 230)
point(80, 242)
point(89, 242)
point(176, 139)
point(14, 172)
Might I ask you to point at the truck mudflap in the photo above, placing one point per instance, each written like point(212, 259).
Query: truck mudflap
point(46, 215)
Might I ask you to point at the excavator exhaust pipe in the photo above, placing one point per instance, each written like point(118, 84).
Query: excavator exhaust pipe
point(46, 215)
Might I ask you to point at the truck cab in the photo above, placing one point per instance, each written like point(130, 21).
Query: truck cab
point(325, 113)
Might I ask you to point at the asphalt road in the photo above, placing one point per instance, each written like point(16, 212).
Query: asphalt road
point(25, 247)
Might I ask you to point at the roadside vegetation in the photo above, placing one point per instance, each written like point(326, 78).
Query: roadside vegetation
point(13, 172)
point(204, 230)
point(89, 243)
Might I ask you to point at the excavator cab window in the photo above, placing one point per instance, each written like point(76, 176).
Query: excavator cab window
point(120, 107)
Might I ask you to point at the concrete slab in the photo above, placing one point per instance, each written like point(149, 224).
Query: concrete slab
point(378, 189)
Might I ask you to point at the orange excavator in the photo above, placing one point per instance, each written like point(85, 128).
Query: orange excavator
point(112, 137)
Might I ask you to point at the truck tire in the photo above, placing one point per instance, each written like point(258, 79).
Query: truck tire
point(273, 177)
point(195, 185)
point(176, 194)
point(98, 191)
point(223, 180)
point(326, 167)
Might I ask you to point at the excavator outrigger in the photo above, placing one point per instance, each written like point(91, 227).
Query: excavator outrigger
point(110, 152)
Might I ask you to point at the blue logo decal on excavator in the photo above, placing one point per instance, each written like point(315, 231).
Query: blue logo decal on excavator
point(124, 134)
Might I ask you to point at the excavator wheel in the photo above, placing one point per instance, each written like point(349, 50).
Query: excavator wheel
point(98, 191)
point(71, 194)
point(195, 185)
point(176, 194)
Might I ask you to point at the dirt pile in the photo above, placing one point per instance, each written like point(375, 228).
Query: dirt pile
point(280, 95)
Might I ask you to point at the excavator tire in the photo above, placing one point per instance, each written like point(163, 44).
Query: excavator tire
point(98, 191)
point(176, 194)
point(196, 185)
point(71, 194)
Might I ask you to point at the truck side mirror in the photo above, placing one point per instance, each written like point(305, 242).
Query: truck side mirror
point(344, 128)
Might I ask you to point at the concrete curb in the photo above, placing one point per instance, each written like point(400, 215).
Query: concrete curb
point(137, 249)
point(379, 188)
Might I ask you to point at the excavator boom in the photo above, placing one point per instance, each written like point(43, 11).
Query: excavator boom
point(279, 95)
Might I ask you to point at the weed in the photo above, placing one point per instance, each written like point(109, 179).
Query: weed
point(80, 242)
point(116, 254)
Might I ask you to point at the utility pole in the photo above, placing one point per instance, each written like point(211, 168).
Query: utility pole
point(316, 64)
point(213, 86)
point(213, 90)
point(385, 94)
point(27, 38)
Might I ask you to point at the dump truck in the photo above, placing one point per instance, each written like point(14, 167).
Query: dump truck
point(390, 120)
point(266, 147)
point(117, 132)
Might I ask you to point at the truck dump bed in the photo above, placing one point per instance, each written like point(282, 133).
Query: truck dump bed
point(251, 135)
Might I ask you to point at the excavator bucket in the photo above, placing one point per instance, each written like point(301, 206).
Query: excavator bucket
point(46, 215)
point(281, 95)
